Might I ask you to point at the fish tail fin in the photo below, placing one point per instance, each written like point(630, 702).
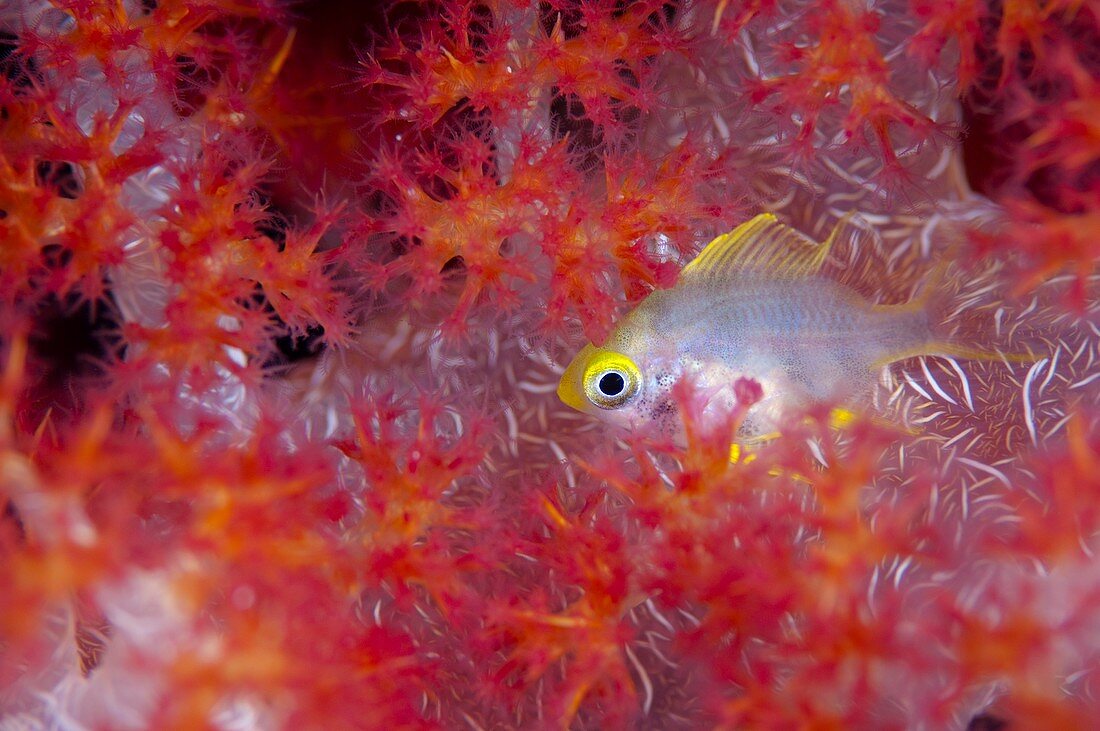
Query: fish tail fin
point(933, 309)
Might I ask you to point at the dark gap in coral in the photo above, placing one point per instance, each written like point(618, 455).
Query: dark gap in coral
point(460, 126)
point(985, 162)
point(398, 246)
point(51, 271)
point(453, 273)
point(986, 156)
point(68, 334)
point(10, 521)
point(273, 225)
point(1025, 62)
point(1047, 184)
point(662, 17)
point(589, 141)
point(71, 341)
point(627, 115)
point(480, 32)
point(293, 348)
point(436, 186)
point(568, 120)
point(193, 81)
point(345, 29)
point(323, 76)
point(453, 266)
point(10, 61)
point(995, 148)
point(60, 177)
point(985, 722)
point(565, 14)
point(1048, 89)
point(379, 204)
point(401, 18)
point(287, 346)
point(14, 65)
point(592, 132)
point(56, 256)
point(477, 33)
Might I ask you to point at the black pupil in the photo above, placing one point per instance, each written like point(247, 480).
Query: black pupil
point(612, 384)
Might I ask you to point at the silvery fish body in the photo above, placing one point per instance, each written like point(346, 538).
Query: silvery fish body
point(752, 305)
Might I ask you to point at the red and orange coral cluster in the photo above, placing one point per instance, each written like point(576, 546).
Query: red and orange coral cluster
point(284, 294)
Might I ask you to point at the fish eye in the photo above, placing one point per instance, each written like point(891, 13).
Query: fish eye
point(609, 385)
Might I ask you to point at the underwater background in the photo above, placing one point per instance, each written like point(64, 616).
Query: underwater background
point(286, 290)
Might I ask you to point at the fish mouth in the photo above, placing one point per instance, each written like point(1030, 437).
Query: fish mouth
point(569, 396)
point(569, 387)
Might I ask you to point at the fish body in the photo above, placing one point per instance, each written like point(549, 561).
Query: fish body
point(752, 305)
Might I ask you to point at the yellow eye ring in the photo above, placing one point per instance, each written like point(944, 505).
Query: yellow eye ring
point(611, 380)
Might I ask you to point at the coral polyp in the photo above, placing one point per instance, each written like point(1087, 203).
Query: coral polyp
point(287, 290)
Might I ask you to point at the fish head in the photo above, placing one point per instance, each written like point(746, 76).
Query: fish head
point(637, 391)
point(605, 383)
point(627, 382)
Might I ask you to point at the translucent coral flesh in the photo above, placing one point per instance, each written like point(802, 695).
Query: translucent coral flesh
point(285, 292)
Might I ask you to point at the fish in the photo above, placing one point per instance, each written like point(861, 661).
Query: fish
point(753, 305)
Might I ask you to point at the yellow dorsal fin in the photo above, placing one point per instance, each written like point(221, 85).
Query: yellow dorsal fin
point(761, 244)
